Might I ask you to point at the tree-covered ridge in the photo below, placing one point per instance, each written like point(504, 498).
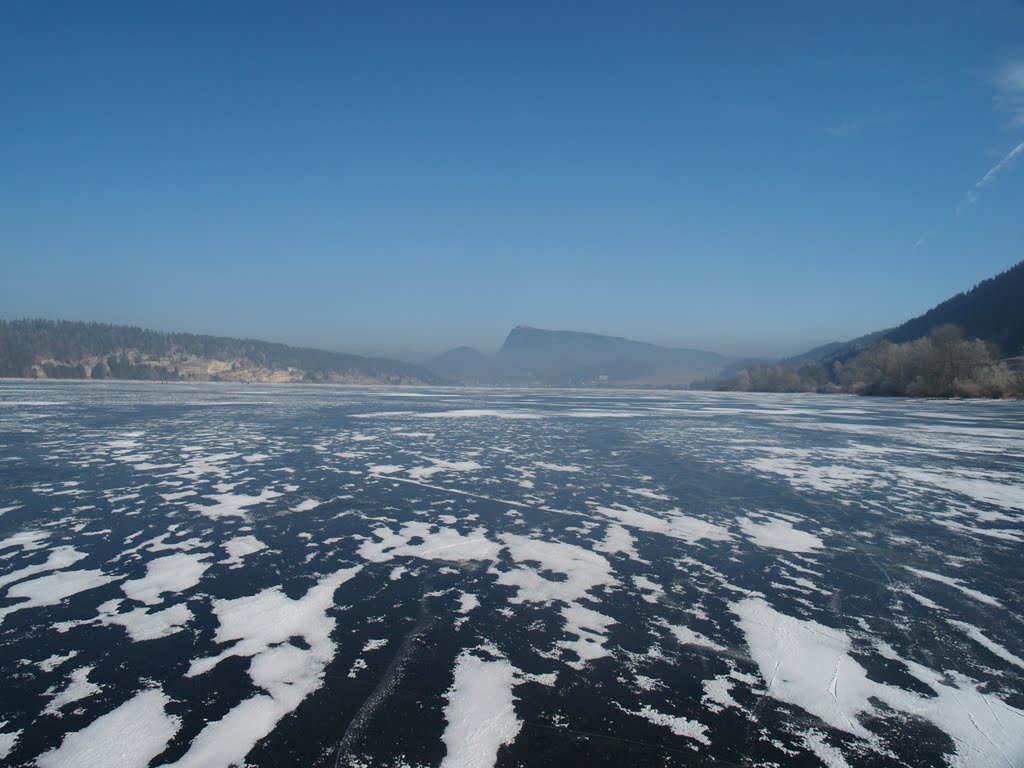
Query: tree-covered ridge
point(942, 364)
point(992, 311)
point(68, 349)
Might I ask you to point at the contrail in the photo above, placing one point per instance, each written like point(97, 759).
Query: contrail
point(994, 171)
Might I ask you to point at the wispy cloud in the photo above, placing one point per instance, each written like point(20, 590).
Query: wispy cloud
point(855, 125)
point(1010, 91)
point(1009, 98)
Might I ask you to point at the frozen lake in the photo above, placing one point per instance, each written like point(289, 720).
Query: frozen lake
point(214, 575)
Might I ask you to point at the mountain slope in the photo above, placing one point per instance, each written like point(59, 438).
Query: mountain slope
point(991, 311)
point(571, 358)
point(469, 366)
point(63, 349)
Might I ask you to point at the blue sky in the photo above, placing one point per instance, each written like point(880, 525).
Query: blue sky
point(747, 177)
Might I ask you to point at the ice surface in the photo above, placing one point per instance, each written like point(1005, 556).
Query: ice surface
point(58, 558)
point(779, 534)
point(809, 665)
point(1005, 495)
point(467, 602)
point(590, 629)
point(50, 663)
point(618, 540)
point(8, 740)
point(143, 624)
point(441, 544)
point(680, 726)
point(829, 755)
point(232, 504)
point(956, 584)
point(977, 636)
point(558, 467)
point(266, 620)
point(583, 571)
point(671, 523)
point(77, 688)
point(52, 589)
point(649, 590)
point(480, 713)
point(718, 694)
point(802, 474)
point(440, 465)
point(384, 469)
point(174, 573)
point(239, 548)
point(127, 737)
point(687, 636)
point(596, 539)
point(26, 540)
point(477, 413)
point(261, 627)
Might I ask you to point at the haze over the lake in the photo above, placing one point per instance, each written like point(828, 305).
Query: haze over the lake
point(405, 177)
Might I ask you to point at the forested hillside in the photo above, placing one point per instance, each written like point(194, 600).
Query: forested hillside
point(992, 311)
point(970, 345)
point(76, 350)
point(942, 364)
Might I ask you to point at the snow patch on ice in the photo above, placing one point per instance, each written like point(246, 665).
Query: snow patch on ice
point(680, 726)
point(58, 558)
point(467, 602)
point(239, 548)
point(384, 469)
point(174, 573)
point(52, 662)
point(232, 504)
point(480, 713)
point(618, 540)
point(8, 740)
point(687, 636)
point(128, 737)
point(79, 687)
point(143, 624)
point(1005, 495)
point(442, 544)
point(673, 524)
point(821, 749)
point(981, 597)
point(52, 589)
point(807, 664)
point(779, 534)
point(440, 465)
point(558, 467)
point(977, 636)
point(26, 540)
point(718, 694)
point(583, 570)
point(260, 627)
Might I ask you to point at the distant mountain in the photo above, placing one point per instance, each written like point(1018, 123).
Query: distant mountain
point(570, 358)
point(74, 350)
point(468, 366)
point(992, 311)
